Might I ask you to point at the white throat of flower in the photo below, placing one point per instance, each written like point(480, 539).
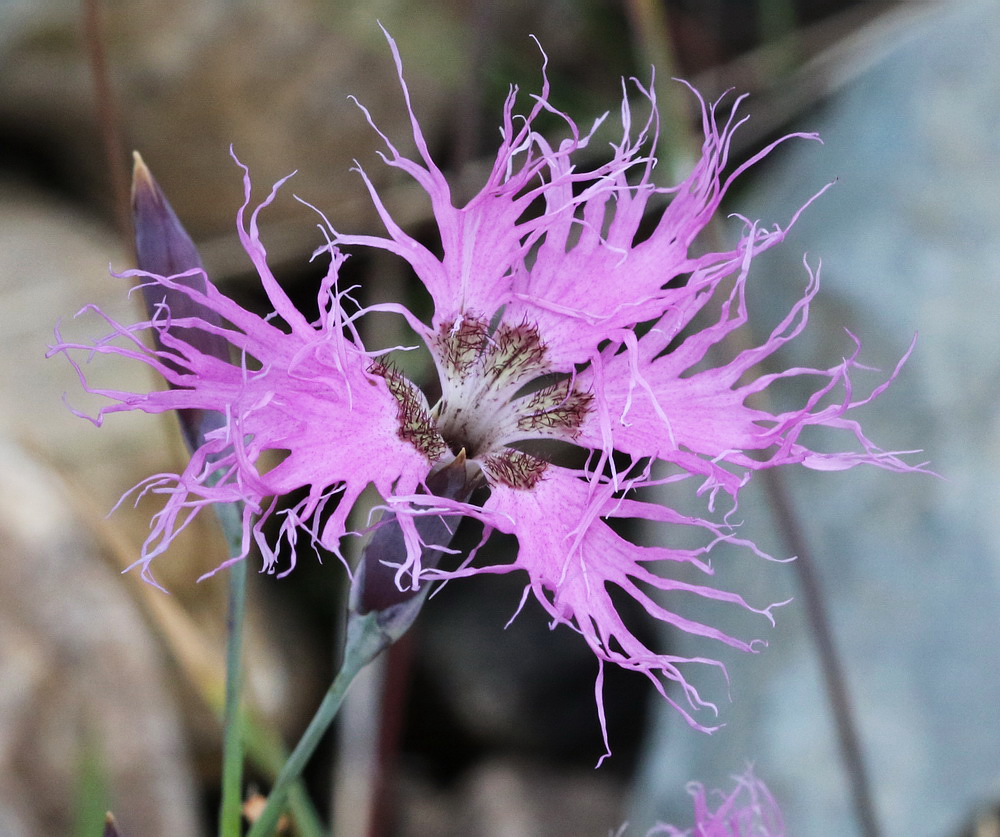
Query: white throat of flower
point(487, 400)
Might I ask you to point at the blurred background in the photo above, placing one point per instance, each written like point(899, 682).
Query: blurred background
point(109, 688)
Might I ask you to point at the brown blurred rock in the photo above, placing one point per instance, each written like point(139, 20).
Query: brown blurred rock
point(80, 676)
point(190, 79)
point(77, 663)
point(504, 798)
point(272, 79)
point(80, 673)
point(53, 261)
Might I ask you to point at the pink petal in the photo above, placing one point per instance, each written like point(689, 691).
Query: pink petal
point(573, 557)
point(305, 394)
point(749, 810)
point(652, 404)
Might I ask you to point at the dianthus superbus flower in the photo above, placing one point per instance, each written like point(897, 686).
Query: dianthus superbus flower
point(541, 282)
point(749, 810)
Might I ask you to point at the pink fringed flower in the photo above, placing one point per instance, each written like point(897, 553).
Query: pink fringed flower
point(543, 278)
point(748, 811)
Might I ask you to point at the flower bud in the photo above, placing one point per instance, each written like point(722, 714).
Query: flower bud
point(375, 588)
point(163, 248)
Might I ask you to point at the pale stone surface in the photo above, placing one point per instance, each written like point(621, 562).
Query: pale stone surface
point(79, 667)
point(80, 676)
point(55, 261)
point(911, 564)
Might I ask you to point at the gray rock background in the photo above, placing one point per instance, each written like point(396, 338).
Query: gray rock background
point(909, 242)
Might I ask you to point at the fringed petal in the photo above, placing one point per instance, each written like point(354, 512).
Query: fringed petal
point(574, 558)
point(714, 422)
point(749, 810)
point(305, 397)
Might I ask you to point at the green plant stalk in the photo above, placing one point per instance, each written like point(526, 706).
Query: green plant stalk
point(265, 750)
point(365, 641)
point(231, 813)
point(92, 798)
point(241, 736)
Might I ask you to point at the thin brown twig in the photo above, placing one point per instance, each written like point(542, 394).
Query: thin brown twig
point(653, 39)
point(108, 118)
point(834, 677)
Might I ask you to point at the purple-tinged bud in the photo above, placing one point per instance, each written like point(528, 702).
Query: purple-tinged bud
point(375, 588)
point(163, 247)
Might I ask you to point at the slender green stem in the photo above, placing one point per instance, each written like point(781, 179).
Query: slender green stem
point(230, 814)
point(265, 751)
point(365, 640)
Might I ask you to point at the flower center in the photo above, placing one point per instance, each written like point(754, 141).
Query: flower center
point(488, 402)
